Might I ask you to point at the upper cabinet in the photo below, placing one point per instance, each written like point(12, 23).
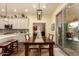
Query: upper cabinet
point(1, 24)
point(23, 23)
point(17, 23)
point(20, 23)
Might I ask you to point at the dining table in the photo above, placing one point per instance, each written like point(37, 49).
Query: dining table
point(40, 45)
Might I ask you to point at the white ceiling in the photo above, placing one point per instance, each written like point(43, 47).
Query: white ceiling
point(72, 12)
point(20, 7)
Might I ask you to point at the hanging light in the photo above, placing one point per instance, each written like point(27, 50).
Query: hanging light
point(39, 13)
point(6, 13)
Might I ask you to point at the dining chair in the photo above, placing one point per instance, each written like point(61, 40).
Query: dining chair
point(50, 37)
point(27, 37)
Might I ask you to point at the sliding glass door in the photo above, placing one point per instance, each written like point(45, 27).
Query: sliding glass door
point(71, 38)
point(59, 29)
point(68, 29)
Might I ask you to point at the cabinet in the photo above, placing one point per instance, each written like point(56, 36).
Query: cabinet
point(10, 21)
point(20, 23)
point(17, 23)
point(23, 23)
point(1, 24)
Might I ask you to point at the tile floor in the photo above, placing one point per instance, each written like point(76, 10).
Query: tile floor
point(57, 52)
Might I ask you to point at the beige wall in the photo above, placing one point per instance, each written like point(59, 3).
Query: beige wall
point(53, 18)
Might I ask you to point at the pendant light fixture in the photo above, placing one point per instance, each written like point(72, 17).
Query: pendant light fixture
point(5, 18)
point(39, 13)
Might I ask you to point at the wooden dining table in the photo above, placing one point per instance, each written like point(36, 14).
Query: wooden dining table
point(47, 41)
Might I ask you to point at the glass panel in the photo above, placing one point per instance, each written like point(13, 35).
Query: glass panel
point(71, 25)
point(59, 29)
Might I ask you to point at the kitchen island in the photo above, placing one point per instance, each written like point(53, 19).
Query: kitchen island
point(8, 37)
point(7, 44)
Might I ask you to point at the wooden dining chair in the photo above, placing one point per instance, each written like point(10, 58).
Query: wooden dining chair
point(50, 37)
point(46, 47)
point(27, 37)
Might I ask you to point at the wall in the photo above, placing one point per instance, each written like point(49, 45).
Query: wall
point(53, 18)
point(48, 19)
point(45, 19)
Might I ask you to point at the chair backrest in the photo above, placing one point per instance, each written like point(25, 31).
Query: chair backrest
point(27, 37)
point(50, 37)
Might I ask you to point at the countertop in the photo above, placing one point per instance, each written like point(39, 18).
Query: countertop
point(4, 38)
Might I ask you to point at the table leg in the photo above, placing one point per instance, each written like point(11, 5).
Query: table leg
point(51, 50)
point(17, 46)
point(39, 50)
point(26, 50)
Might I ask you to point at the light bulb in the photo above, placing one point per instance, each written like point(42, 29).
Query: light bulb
point(44, 6)
point(3, 10)
point(26, 10)
point(15, 10)
point(34, 6)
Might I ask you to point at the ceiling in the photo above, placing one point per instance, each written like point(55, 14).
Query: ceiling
point(20, 8)
point(72, 12)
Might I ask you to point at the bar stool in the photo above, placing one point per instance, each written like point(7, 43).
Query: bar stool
point(6, 49)
point(15, 46)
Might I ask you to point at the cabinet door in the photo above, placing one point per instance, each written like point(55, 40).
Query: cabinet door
point(11, 21)
point(25, 23)
point(15, 24)
point(20, 23)
point(1, 24)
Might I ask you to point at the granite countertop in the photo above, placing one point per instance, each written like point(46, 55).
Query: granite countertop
point(4, 38)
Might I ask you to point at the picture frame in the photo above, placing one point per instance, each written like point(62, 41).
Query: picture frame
point(52, 27)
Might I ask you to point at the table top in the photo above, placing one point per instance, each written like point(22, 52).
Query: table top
point(32, 41)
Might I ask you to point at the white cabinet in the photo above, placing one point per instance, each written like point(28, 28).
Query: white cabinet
point(23, 23)
point(10, 21)
point(20, 23)
point(17, 23)
point(26, 23)
point(1, 24)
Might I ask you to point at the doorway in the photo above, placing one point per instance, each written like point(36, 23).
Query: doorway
point(41, 27)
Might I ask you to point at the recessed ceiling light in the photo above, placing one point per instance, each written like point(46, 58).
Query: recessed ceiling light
point(15, 10)
point(26, 10)
point(34, 6)
point(44, 6)
point(3, 10)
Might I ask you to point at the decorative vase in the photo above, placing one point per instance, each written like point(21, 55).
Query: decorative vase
point(39, 37)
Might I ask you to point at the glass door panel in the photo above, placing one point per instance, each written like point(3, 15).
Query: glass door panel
point(71, 27)
point(59, 29)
